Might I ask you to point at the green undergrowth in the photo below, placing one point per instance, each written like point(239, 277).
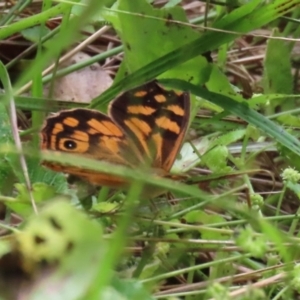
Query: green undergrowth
point(227, 227)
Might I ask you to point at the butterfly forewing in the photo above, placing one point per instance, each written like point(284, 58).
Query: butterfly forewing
point(155, 121)
point(84, 131)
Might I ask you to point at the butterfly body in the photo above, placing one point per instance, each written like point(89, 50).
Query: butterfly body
point(144, 127)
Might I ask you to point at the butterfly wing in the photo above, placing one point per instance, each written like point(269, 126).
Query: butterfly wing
point(146, 125)
point(155, 120)
point(89, 133)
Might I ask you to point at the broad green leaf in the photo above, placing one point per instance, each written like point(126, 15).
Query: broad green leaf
point(203, 218)
point(172, 3)
point(218, 82)
point(288, 119)
point(22, 205)
point(211, 40)
point(264, 99)
point(279, 238)
point(40, 174)
point(34, 34)
point(61, 237)
point(54, 226)
point(138, 21)
point(61, 252)
point(189, 158)
point(228, 138)
point(278, 76)
point(106, 207)
point(238, 14)
point(216, 159)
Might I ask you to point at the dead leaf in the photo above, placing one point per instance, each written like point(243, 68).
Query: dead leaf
point(82, 85)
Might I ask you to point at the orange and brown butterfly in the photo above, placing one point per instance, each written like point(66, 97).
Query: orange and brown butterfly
point(145, 125)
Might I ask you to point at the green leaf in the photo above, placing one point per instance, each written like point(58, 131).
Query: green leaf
point(237, 21)
point(34, 34)
point(278, 76)
point(216, 159)
point(22, 205)
point(64, 238)
point(169, 35)
point(218, 82)
point(40, 174)
point(61, 252)
point(277, 67)
point(106, 207)
point(228, 138)
point(130, 290)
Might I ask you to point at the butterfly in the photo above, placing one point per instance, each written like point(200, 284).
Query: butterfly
point(144, 126)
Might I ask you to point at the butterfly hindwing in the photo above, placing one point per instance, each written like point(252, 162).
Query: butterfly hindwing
point(155, 120)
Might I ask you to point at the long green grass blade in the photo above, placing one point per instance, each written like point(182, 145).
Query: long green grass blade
point(242, 110)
